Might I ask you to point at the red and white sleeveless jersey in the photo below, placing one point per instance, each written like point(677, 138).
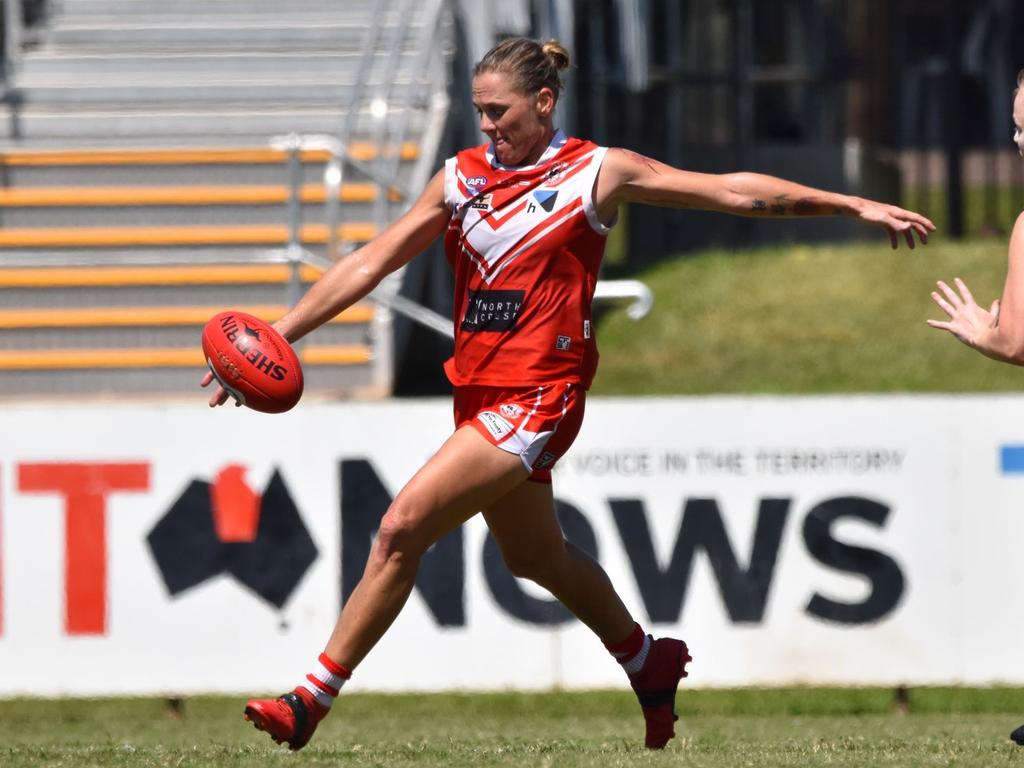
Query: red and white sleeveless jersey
point(525, 244)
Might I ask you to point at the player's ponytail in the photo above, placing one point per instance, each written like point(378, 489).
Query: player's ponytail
point(528, 64)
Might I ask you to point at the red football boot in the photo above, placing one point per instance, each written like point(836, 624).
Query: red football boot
point(655, 686)
point(291, 718)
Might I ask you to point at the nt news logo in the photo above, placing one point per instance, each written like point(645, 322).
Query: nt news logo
point(226, 527)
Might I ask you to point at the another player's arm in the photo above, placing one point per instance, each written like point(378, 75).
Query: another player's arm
point(997, 332)
point(358, 273)
point(627, 177)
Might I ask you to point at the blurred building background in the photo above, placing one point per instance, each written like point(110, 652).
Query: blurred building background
point(900, 99)
point(251, 135)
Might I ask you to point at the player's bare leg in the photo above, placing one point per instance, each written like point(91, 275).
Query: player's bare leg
point(525, 525)
point(463, 477)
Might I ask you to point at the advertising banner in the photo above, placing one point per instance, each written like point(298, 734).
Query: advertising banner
point(151, 549)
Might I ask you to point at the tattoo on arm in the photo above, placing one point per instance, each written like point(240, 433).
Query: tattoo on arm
point(783, 205)
point(812, 206)
point(779, 207)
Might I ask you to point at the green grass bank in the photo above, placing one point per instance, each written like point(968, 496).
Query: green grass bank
point(800, 319)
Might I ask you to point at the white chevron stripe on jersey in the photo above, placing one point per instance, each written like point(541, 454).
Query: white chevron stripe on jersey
point(513, 230)
point(573, 210)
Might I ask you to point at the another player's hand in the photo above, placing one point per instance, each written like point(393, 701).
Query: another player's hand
point(967, 321)
point(897, 222)
point(219, 396)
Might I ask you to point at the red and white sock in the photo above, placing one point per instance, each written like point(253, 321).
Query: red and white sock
point(325, 681)
point(631, 653)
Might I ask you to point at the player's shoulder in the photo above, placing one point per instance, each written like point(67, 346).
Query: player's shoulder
point(619, 163)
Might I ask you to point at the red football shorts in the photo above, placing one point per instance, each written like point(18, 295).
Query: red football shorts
point(538, 424)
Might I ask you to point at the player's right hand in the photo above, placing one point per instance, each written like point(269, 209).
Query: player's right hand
point(219, 396)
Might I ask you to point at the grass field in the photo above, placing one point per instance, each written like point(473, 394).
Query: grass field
point(804, 319)
point(718, 729)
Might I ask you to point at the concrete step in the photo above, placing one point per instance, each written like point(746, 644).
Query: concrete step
point(113, 66)
point(48, 176)
point(165, 295)
point(109, 296)
point(176, 123)
point(177, 236)
point(184, 205)
point(143, 336)
point(198, 194)
point(140, 92)
point(338, 381)
point(222, 163)
point(211, 32)
point(149, 255)
point(164, 284)
point(77, 8)
point(174, 216)
point(64, 317)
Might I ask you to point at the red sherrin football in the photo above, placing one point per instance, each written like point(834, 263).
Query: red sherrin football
point(252, 361)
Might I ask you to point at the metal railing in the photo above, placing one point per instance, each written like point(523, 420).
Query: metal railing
point(14, 33)
point(388, 135)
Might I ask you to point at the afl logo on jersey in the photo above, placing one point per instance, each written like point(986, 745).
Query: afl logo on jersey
point(556, 173)
point(476, 182)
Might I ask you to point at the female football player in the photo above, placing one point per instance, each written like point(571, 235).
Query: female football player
point(524, 219)
point(997, 332)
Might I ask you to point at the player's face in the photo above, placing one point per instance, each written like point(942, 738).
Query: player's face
point(518, 125)
point(1018, 120)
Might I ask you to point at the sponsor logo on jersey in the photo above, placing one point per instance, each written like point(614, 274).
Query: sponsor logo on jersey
point(546, 198)
point(482, 203)
point(586, 329)
point(496, 425)
point(512, 410)
point(476, 181)
point(546, 460)
point(492, 310)
point(562, 343)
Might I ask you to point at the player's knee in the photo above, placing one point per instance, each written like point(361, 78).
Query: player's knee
point(399, 538)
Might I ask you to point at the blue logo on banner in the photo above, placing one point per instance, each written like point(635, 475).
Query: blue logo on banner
point(1011, 459)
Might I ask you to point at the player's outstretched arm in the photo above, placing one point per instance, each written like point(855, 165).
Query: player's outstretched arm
point(997, 332)
point(628, 177)
point(358, 273)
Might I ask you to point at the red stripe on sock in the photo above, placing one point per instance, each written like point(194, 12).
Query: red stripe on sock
point(322, 686)
point(624, 650)
point(334, 667)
